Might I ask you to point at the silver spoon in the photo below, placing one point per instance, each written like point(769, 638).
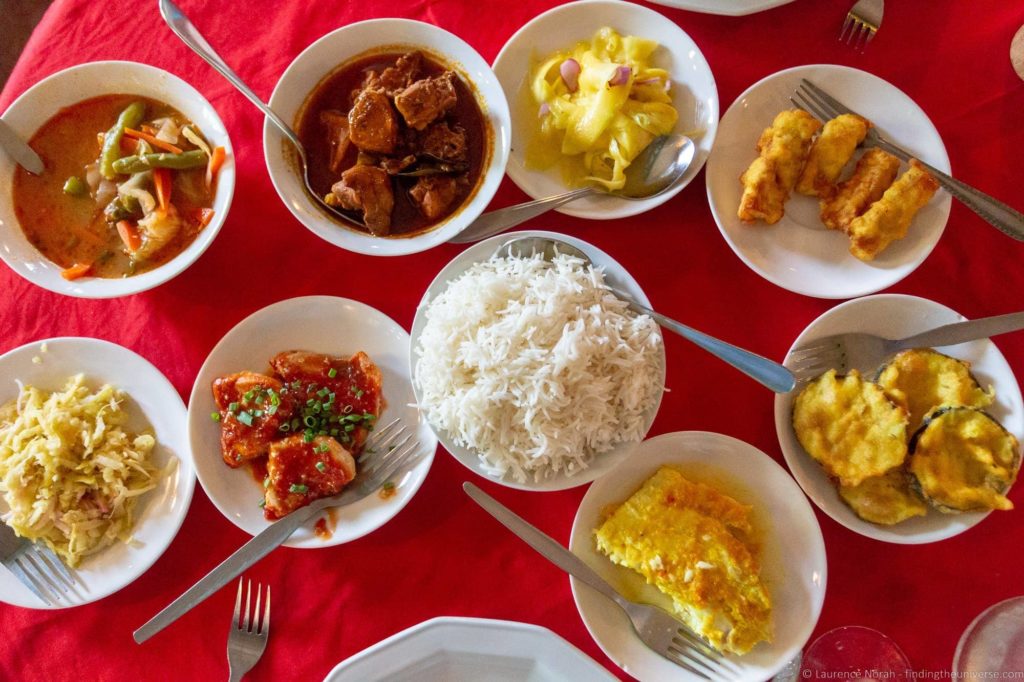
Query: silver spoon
point(18, 150)
point(184, 29)
point(766, 372)
point(658, 167)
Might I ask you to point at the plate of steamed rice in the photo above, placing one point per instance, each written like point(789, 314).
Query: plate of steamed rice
point(531, 372)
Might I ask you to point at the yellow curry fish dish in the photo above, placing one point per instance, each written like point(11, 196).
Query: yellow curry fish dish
point(695, 545)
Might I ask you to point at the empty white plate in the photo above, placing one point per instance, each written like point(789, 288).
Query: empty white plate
point(321, 324)
point(799, 253)
point(470, 650)
point(896, 316)
point(733, 8)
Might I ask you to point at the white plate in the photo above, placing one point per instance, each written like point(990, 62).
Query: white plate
point(155, 406)
point(798, 253)
point(470, 650)
point(896, 316)
point(322, 324)
point(615, 275)
point(340, 46)
point(64, 88)
point(793, 563)
point(733, 8)
point(694, 92)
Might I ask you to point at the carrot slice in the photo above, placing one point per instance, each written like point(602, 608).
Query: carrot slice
point(75, 271)
point(162, 180)
point(158, 143)
point(129, 235)
point(213, 167)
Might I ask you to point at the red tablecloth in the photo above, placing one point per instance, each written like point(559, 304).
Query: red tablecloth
point(442, 555)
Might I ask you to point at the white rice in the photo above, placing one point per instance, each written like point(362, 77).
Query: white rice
point(536, 366)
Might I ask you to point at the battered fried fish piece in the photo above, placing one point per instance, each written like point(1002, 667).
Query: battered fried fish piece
point(782, 150)
point(850, 427)
point(888, 218)
point(921, 379)
point(874, 173)
point(830, 153)
point(887, 499)
point(964, 460)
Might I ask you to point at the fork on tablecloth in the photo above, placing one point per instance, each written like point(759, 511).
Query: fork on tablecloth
point(862, 22)
point(247, 638)
point(36, 566)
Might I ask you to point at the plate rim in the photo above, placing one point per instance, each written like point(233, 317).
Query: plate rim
point(711, 7)
point(439, 283)
point(849, 293)
point(416, 481)
point(186, 479)
point(817, 596)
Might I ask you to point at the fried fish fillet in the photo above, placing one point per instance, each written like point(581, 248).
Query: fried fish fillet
point(921, 379)
point(691, 542)
point(874, 173)
point(782, 150)
point(849, 426)
point(887, 499)
point(830, 153)
point(888, 218)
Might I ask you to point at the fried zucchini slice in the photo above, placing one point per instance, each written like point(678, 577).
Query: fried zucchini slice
point(921, 379)
point(887, 499)
point(850, 427)
point(962, 459)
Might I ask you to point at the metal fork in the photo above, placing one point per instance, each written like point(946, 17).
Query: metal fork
point(819, 103)
point(865, 352)
point(659, 630)
point(390, 452)
point(36, 566)
point(247, 640)
point(862, 22)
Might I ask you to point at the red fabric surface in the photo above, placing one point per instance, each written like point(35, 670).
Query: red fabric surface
point(442, 555)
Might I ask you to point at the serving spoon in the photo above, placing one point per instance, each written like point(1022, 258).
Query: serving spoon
point(654, 171)
point(18, 150)
point(766, 372)
point(184, 29)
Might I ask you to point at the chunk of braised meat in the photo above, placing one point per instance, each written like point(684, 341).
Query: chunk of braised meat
point(433, 194)
point(251, 407)
point(425, 100)
point(337, 137)
point(444, 143)
point(372, 123)
point(394, 79)
point(366, 189)
point(393, 165)
point(299, 472)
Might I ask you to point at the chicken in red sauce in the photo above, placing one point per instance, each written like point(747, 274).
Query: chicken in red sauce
point(301, 426)
point(397, 139)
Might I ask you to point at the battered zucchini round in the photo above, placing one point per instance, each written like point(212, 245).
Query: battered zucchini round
point(962, 459)
point(887, 499)
point(921, 380)
point(850, 427)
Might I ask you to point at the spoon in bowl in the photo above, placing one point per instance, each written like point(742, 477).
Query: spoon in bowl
point(184, 29)
point(19, 151)
point(654, 171)
point(766, 372)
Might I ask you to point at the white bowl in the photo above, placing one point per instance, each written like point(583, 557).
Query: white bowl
point(342, 46)
point(897, 316)
point(322, 324)
point(615, 275)
point(793, 564)
point(154, 404)
point(64, 88)
point(799, 253)
point(694, 92)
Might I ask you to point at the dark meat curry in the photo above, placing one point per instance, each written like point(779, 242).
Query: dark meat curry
point(397, 138)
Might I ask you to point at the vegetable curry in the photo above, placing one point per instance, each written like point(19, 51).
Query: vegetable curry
point(128, 184)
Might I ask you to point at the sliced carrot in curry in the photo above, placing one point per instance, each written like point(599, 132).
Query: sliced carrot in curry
point(75, 271)
point(162, 180)
point(129, 235)
point(216, 161)
point(153, 140)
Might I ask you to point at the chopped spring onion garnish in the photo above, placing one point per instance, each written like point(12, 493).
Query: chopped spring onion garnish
point(233, 407)
point(215, 416)
point(298, 488)
point(320, 466)
point(266, 482)
point(332, 373)
point(245, 418)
